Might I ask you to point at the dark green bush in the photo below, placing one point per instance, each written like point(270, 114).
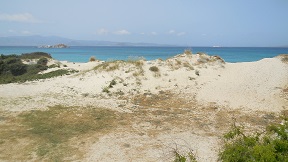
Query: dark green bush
point(13, 70)
point(18, 68)
point(35, 55)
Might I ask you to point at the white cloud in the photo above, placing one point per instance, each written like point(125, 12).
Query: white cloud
point(153, 33)
point(102, 31)
point(24, 17)
point(181, 33)
point(11, 31)
point(122, 32)
point(171, 32)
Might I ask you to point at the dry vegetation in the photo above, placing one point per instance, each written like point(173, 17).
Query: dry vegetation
point(54, 134)
point(64, 133)
point(284, 58)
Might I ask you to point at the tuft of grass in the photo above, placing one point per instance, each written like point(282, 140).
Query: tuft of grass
point(183, 158)
point(188, 66)
point(112, 83)
point(197, 72)
point(188, 52)
point(154, 69)
point(284, 58)
point(92, 59)
point(108, 66)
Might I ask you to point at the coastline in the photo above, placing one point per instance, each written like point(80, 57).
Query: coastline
point(195, 87)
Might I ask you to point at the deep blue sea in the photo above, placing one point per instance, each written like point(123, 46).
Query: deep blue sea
point(83, 53)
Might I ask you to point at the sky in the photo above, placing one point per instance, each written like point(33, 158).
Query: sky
point(175, 22)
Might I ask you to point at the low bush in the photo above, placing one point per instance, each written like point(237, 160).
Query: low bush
point(154, 69)
point(18, 68)
point(271, 145)
point(42, 61)
point(35, 55)
point(13, 70)
point(92, 58)
point(182, 158)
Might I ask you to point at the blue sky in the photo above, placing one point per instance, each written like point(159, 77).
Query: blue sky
point(181, 22)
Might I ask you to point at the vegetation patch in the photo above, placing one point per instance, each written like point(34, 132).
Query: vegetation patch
point(270, 145)
point(108, 66)
point(35, 55)
point(284, 58)
point(183, 158)
point(92, 59)
point(13, 70)
point(49, 133)
point(154, 69)
point(188, 52)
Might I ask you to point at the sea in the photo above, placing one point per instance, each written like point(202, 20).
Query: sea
point(110, 53)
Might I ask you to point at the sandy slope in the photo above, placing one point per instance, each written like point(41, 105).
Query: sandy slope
point(254, 86)
point(199, 79)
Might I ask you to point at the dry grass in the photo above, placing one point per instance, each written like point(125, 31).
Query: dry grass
point(284, 58)
point(46, 135)
point(108, 66)
point(154, 69)
point(92, 59)
point(188, 52)
point(62, 133)
point(166, 111)
point(135, 66)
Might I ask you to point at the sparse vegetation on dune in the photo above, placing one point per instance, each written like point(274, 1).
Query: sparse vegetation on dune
point(188, 52)
point(138, 108)
point(284, 58)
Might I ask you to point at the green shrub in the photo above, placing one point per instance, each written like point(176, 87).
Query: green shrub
point(12, 60)
point(182, 158)
point(272, 145)
point(35, 55)
point(13, 70)
point(42, 61)
point(18, 68)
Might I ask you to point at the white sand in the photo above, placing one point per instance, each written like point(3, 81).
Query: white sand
point(254, 86)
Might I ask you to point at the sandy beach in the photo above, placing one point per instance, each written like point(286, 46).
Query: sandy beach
point(184, 103)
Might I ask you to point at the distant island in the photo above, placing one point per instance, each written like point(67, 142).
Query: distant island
point(54, 46)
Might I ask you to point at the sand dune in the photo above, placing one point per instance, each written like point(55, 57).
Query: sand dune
point(200, 81)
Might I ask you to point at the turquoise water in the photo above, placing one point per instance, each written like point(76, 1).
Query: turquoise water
point(82, 53)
